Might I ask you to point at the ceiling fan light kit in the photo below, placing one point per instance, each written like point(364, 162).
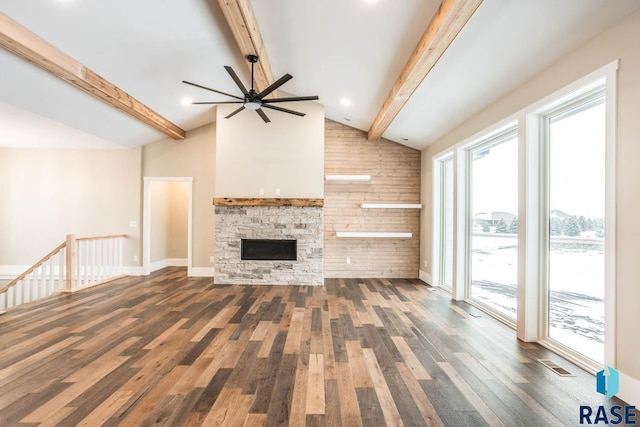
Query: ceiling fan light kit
point(252, 100)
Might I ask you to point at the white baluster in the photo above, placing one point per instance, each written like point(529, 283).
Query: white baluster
point(33, 285)
point(100, 268)
point(105, 260)
point(82, 262)
point(98, 260)
point(76, 268)
point(108, 257)
point(90, 263)
point(93, 262)
point(37, 281)
point(25, 294)
point(48, 266)
point(29, 285)
point(19, 292)
point(79, 257)
point(51, 282)
point(61, 269)
point(87, 263)
point(119, 257)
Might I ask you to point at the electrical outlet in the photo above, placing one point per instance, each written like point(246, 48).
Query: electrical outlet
point(277, 191)
point(211, 258)
point(133, 224)
point(348, 260)
point(261, 191)
point(426, 263)
point(135, 258)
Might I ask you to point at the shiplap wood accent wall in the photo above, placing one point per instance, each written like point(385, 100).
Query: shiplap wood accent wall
point(395, 178)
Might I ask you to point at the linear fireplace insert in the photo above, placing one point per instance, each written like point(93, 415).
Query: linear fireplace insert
point(268, 249)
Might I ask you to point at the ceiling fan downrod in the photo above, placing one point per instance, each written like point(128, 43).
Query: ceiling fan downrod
point(253, 59)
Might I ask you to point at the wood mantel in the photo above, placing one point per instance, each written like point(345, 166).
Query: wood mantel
point(234, 201)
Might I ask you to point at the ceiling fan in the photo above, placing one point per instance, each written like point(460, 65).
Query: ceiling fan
point(253, 100)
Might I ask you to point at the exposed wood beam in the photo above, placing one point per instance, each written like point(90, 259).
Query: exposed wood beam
point(448, 21)
point(242, 22)
point(22, 42)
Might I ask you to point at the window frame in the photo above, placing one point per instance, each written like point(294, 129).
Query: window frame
point(532, 210)
point(490, 140)
point(438, 231)
point(594, 94)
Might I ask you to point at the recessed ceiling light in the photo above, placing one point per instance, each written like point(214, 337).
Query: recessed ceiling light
point(186, 101)
point(345, 102)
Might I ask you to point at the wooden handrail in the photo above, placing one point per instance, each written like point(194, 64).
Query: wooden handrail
point(110, 236)
point(52, 253)
point(33, 267)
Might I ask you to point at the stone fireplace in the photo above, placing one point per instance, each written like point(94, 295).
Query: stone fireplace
point(269, 220)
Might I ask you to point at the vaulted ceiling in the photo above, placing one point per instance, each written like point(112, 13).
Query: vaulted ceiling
point(350, 53)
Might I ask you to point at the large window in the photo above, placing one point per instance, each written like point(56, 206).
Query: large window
point(493, 186)
point(526, 231)
point(576, 215)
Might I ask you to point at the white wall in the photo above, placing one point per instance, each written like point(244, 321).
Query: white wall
point(621, 42)
point(287, 153)
point(46, 194)
point(194, 157)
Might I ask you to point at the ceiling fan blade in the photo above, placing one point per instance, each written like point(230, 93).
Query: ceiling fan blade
point(284, 110)
point(275, 85)
point(235, 112)
point(236, 79)
point(212, 90)
point(292, 98)
point(215, 102)
point(263, 115)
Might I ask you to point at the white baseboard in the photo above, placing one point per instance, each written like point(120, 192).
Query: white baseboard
point(425, 277)
point(10, 272)
point(133, 271)
point(91, 285)
point(169, 262)
point(202, 272)
point(629, 390)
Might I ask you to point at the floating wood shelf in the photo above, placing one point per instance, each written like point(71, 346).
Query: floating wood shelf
point(391, 206)
point(236, 201)
point(348, 177)
point(373, 234)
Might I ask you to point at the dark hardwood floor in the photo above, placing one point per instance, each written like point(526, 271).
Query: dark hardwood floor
point(177, 351)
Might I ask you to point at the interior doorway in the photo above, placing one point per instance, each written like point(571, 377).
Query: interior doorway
point(167, 200)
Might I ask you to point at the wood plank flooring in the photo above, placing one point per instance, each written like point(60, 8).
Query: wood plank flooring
point(176, 351)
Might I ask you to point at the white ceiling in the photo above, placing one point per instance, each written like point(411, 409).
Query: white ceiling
point(334, 48)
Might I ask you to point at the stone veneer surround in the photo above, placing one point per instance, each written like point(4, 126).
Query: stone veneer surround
point(305, 224)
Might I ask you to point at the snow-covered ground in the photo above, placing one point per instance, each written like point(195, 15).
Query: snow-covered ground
point(576, 273)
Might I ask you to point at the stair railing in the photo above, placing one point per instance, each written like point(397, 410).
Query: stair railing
point(76, 263)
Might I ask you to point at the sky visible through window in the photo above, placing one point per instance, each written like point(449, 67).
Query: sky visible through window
point(578, 175)
point(491, 191)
